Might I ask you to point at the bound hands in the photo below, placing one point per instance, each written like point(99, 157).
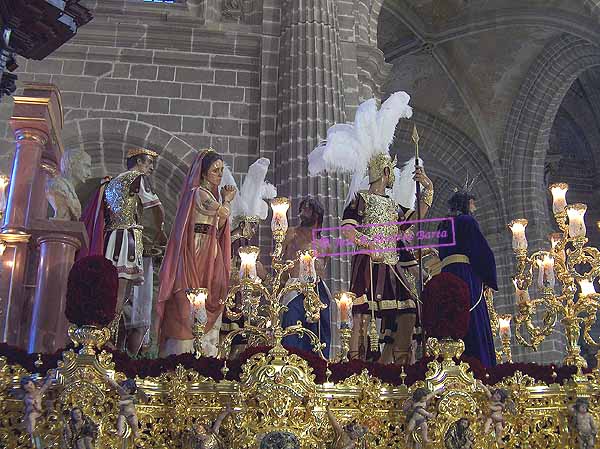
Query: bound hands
point(228, 193)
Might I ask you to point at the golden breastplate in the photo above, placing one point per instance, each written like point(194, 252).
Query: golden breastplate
point(378, 210)
point(122, 206)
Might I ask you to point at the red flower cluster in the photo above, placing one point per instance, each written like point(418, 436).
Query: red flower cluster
point(92, 292)
point(446, 303)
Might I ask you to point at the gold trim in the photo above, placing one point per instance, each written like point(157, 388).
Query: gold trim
point(10, 237)
point(50, 87)
point(349, 221)
point(385, 304)
point(454, 258)
point(139, 150)
point(41, 101)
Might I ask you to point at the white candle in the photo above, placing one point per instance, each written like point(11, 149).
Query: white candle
point(3, 185)
point(279, 221)
point(517, 227)
point(540, 265)
point(576, 213)
point(344, 301)
point(197, 298)
point(587, 287)
point(307, 272)
point(559, 196)
point(548, 264)
point(504, 325)
point(522, 295)
point(248, 256)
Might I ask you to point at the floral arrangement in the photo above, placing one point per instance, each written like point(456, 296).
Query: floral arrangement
point(446, 303)
point(92, 292)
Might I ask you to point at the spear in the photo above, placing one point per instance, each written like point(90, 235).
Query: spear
point(415, 139)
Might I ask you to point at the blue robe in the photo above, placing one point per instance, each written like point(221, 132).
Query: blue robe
point(297, 313)
point(479, 341)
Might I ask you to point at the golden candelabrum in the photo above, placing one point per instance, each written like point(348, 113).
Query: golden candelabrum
point(262, 303)
point(570, 262)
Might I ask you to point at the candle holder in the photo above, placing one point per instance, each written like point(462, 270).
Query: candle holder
point(263, 308)
point(505, 334)
point(344, 301)
point(197, 298)
point(577, 302)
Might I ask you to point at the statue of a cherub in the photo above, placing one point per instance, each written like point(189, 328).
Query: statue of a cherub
point(31, 393)
point(80, 431)
point(417, 415)
point(351, 436)
point(129, 394)
point(584, 423)
point(205, 435)
point(459, 435)
point(498, 402)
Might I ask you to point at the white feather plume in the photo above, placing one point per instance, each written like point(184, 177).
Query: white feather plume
point(349, 147)
point(404, 191)
point(250, 199)
point(228, 179)
point(392, 110)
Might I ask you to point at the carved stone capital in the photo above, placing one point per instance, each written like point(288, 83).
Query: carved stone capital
point(373, 71)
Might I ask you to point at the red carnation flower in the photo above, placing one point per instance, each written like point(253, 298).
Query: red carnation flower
point(92, 292)
point(446, 304)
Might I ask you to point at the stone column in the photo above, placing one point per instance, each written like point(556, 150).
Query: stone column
point(48, 330)
point(310, 100)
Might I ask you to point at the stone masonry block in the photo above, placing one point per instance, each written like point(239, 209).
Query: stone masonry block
point(71, 99)
point(180, 59)
point(159, 105)
point(93, 101)
point(133, 103)
point(166, 122)
point(112, 102)
point(166, 73)
point(145, 72)
point(135, 56)
point(98, 69)
point(191, 91)
point(189, 107)
point(159, 89)
point(223, 127)
point(116, 86)
point(193, 125)
point(220, 110)
point(70, 83)
point(234, 63)
point(222, 93)
point(188, 75)
point(72, 67)
point(121, 70)
point(225, 77)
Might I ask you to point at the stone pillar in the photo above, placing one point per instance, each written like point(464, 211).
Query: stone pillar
point(310, 100)
point(48, 329)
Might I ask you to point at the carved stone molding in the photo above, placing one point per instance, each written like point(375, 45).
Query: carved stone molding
point(373, 71)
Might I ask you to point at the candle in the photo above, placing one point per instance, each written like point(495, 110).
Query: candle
point(587, 287)
point(248, 256)
point(197, 298)
point(307, 272)
point(517, 227)
point(3, 185)
point(548, 265)
point(522, 295)
point(559, 196)
point(344, 301)
point(576, 213)
point(280, 207)
point(2, 247)
point(504, 326)
point(540, 265)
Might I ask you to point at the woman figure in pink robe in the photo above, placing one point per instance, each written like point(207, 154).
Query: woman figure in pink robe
point(198, 255)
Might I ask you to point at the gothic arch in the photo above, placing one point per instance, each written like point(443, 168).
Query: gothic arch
point(528, 128)
point(106, 140)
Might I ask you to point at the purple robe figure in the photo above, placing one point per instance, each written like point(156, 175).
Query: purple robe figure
point(471, 259)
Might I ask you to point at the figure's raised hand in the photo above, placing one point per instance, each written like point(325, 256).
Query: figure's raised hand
point(422, 178)
point(228, 192)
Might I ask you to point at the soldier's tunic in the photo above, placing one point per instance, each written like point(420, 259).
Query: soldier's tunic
point(124, 197)
point(376, 217)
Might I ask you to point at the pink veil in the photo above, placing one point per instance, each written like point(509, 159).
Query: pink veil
point(183, 267)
